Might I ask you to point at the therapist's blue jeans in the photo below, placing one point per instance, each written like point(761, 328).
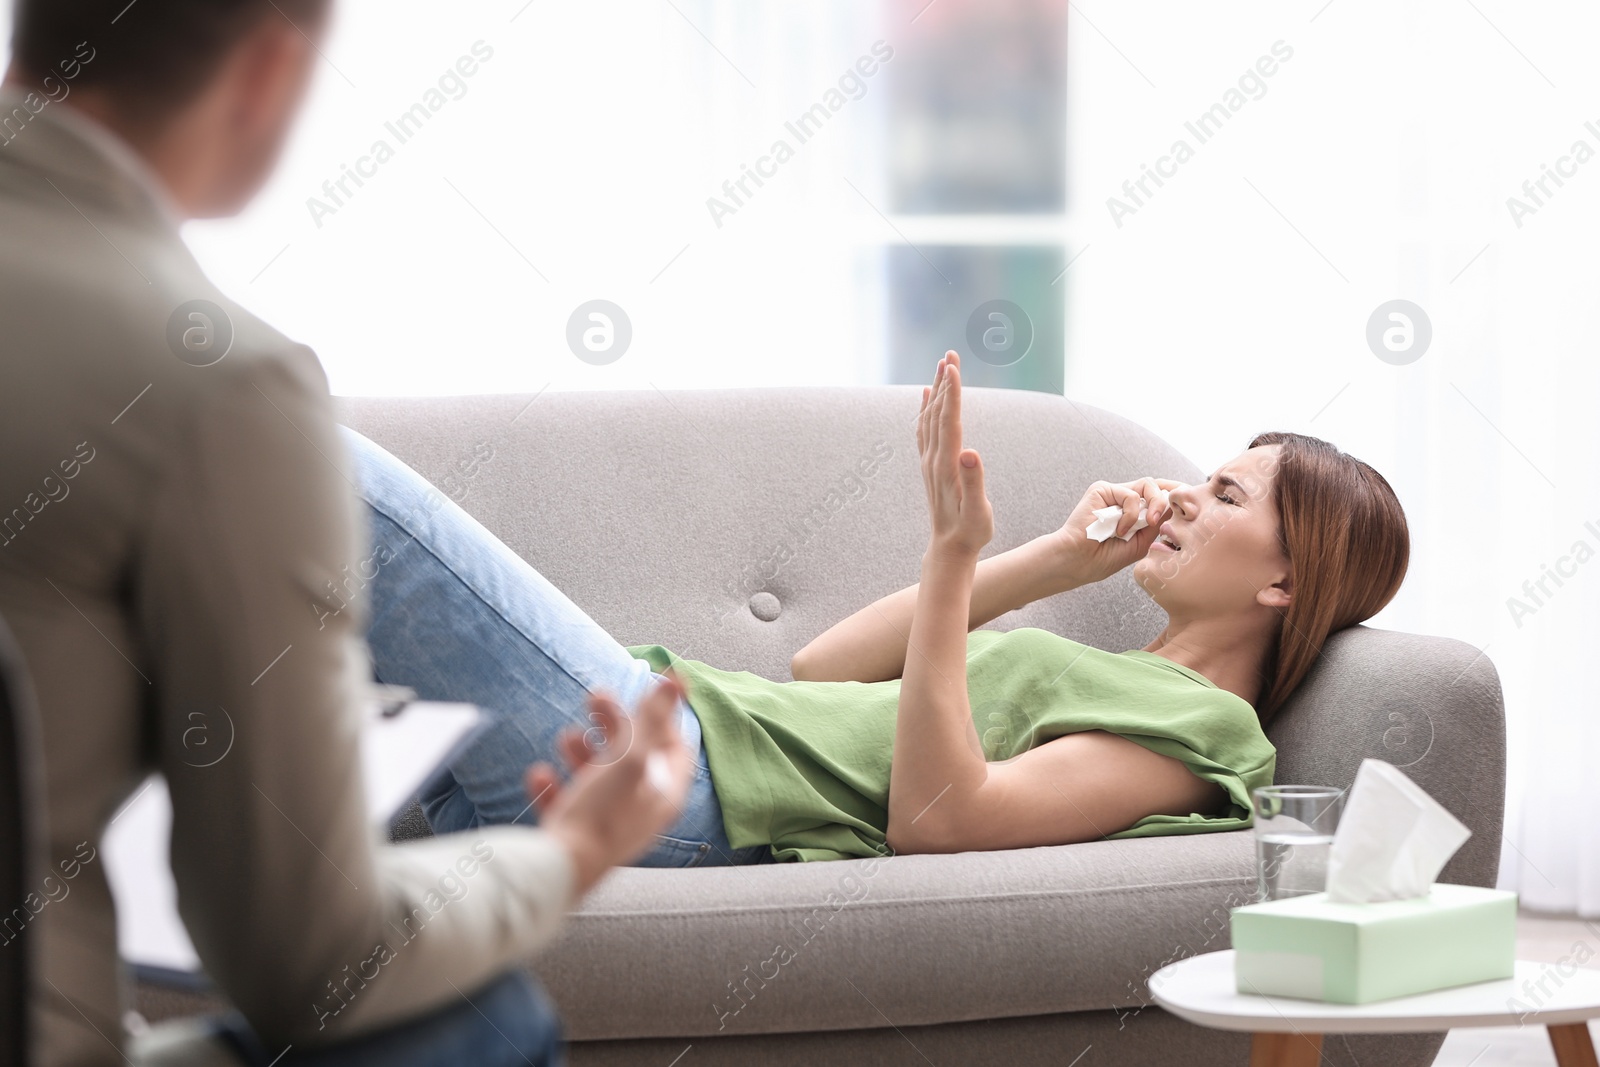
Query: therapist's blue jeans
point(511, 1022)
point(458, 616)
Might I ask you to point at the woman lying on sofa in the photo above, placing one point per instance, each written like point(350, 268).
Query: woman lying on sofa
point(907, 729)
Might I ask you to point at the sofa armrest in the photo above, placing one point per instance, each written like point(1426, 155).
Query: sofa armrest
point(1431, 706)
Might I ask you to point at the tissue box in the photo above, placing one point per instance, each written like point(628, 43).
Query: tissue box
point(1317, 949)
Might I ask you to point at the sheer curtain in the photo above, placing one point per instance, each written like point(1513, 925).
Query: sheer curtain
point(1378, 165)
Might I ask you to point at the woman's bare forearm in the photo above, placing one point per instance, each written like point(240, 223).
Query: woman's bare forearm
point(870, 646)
point(938, 763)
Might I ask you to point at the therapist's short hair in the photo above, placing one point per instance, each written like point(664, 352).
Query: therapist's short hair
point(156, 55)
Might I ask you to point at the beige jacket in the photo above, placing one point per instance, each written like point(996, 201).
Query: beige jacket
point(167, 532)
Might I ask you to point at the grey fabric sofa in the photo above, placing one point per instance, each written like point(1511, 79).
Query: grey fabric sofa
point(733, 526)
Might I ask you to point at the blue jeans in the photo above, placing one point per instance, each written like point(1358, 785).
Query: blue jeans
point(510, 1023)
point(457, 615)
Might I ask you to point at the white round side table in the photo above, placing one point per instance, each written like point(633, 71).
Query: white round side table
point(1288, 1031)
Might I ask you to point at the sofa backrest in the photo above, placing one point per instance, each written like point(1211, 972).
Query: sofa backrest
point(733, 526)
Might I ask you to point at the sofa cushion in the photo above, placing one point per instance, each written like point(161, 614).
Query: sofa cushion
point(913, 939)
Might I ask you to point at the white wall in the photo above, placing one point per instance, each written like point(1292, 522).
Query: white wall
point(577, 166)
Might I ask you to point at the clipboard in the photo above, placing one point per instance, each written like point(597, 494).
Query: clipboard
point(403, 742)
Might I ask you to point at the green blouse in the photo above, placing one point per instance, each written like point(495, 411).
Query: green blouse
point(804, 766)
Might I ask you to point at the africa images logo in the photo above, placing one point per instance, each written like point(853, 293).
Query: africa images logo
point(200, 333)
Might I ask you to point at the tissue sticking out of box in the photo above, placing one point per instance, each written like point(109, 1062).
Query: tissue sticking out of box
point(1393, 839)
point(1106, 519)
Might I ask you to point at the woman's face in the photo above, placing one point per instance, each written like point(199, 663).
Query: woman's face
point(1227, 559)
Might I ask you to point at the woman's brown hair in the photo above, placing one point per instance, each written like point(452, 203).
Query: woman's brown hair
point(1343, 530)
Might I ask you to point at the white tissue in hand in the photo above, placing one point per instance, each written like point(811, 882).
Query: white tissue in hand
point(659, 772)
point(1392, 840)
point(1106, 519)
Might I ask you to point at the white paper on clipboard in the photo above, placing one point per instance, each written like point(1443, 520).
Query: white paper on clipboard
point(398, 753)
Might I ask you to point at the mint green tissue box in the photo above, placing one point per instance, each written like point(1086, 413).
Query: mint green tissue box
point(1316, 949)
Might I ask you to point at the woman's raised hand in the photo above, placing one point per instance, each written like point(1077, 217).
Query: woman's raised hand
point(962, 519)
point(1084, 560)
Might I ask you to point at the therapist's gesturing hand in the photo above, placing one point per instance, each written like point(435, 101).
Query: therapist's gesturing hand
point(614, 804)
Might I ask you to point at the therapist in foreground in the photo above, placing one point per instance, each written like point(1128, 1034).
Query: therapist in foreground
point(174, 503)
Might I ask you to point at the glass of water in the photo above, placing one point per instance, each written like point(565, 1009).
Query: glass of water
point(1294, 831)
